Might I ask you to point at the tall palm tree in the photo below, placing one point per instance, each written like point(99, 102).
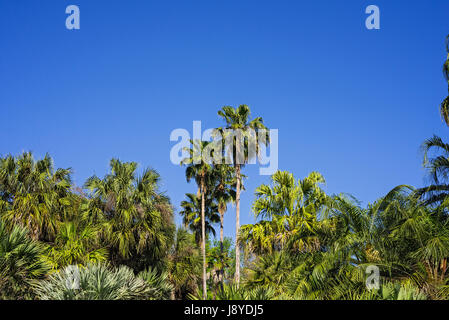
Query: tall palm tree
point(200, 170)
point(312, 246)
point(159, 281)
point(239, 119)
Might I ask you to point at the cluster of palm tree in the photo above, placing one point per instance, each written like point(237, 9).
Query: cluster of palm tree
point(219, 182)
point(116, 226)
point(308, 245)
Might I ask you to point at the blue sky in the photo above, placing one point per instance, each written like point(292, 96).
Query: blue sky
point(351, 103)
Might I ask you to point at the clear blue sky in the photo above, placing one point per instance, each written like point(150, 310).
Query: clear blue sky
point(350, 103)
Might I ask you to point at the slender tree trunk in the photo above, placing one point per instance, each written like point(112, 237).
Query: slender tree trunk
point(237, 226)
point(203, 237)
point(221, 246)
point(444, 268)
point(221, 229)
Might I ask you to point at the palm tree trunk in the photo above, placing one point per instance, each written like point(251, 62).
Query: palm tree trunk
point(237, 225)
point(203, 237)
point(221, 230)
point(221, 246)
point(444, 268)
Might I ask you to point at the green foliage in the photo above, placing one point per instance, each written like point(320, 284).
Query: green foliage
point(396, 291)
point(239, 119)
point(21, 263)
point(233, 292)
point(438, 169)
point(399, 234)
point(200, 169)
point(292, 210)
point(124, 220)
point(191, 215)
point(118, 240)
point(184, 264)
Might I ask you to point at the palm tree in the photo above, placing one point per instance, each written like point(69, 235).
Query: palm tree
point(200, 170)
point(76, 244)
point(191, 213)
point(289, 210)
point(20, 263)
point(34, 195)
point(239, 119)
point(136, 218)
point(184, 264)
point(233, 292)
point(159, 281)
point(312, 246)
point(223, 193)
